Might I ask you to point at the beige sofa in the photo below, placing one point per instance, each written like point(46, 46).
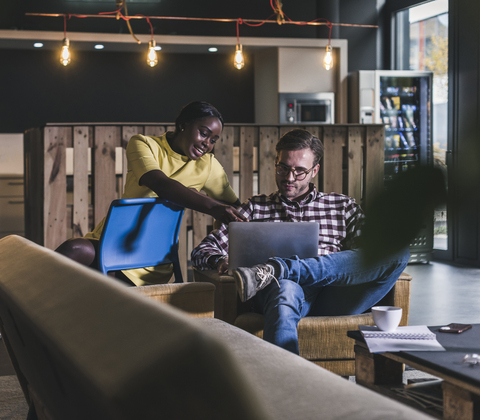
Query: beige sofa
point(87, 347)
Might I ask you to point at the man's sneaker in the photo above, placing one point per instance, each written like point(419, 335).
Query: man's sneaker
point(250, 280)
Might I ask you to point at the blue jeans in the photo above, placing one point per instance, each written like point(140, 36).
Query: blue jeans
point(334, 284)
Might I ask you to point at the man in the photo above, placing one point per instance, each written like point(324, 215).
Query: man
point(337, 282)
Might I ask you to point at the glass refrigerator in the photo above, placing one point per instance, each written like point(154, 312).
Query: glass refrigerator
point(402, 101)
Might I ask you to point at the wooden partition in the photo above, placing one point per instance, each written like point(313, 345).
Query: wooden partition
point(73, 172)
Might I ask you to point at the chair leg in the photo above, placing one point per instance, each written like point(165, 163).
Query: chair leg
point(177, 272)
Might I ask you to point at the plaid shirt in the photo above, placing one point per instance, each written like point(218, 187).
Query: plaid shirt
point(340, 219)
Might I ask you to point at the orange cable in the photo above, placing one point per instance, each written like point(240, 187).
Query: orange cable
point(246, 21)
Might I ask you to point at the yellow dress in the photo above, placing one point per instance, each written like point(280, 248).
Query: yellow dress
point(144, 154)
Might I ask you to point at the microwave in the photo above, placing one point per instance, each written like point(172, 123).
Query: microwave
point(306, 108)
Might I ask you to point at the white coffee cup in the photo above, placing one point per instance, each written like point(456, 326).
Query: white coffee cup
point(387, 318)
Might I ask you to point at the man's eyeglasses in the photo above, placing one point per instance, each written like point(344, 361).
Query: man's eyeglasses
point(284, 170)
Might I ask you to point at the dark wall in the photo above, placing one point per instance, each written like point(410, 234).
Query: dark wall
point(117, 87)
point(362, 42)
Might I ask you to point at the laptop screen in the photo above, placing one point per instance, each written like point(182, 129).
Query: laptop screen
point(253, 243)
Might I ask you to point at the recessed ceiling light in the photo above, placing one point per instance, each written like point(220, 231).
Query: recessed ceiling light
point(157, 47)
point(213, 49)
point(38, 45)
point(99, 47)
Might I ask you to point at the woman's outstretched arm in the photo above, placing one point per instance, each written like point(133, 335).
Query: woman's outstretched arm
point(177, 193)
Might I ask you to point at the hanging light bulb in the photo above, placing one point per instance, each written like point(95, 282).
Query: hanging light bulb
point(152, 59)
point(65, 57)
point(328, 60)
point(239, 62)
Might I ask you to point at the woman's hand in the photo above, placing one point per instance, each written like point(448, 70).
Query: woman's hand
point(227, 214)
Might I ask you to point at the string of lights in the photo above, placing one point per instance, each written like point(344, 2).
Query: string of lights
point(239, 62)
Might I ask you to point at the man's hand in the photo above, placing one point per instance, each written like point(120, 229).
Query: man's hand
point(218, 262)
point(223, 266)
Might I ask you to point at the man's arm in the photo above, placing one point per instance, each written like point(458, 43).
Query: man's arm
point(212, 252)
point(206, 255)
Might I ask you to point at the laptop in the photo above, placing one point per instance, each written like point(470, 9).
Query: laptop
point(253, 242)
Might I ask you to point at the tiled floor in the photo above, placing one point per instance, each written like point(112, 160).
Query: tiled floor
point(444, 293)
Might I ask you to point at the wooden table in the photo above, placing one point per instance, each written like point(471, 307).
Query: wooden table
point(460, 385)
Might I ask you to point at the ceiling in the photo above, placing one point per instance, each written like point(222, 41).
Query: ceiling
point(19, 30)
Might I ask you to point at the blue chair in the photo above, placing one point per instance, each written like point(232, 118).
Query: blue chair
point(140, 232)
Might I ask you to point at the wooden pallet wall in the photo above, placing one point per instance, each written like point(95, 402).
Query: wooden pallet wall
point(73, 172)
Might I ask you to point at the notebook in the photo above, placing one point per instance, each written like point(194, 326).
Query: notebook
point(411, 338)
point(253, 242)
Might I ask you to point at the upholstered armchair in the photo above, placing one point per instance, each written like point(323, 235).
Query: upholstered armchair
point(322, 340)
point(195, 299)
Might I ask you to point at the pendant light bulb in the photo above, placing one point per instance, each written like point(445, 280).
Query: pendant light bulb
point(328, 60)
point(65, 56)
point(152, 59)
point(239, 62)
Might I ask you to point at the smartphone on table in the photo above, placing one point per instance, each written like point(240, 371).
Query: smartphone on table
point(455, 328)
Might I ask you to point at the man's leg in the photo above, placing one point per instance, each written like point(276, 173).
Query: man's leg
point(303, 289)
point(344, 269)
point(352, 300)
point(282, 307)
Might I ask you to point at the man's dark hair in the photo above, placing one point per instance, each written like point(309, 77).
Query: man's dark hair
point(299, 139)
point(196, 111)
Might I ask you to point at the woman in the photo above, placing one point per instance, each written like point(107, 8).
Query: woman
point(175, 166)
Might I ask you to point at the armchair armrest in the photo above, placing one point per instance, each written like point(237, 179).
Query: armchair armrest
point(226, 307)
point(195, 299)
